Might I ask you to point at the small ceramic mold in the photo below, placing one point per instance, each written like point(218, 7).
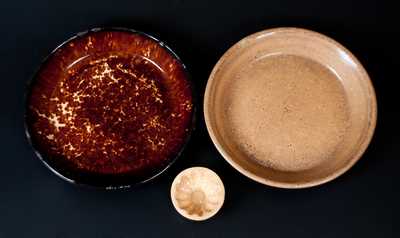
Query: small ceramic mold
point(197, 193)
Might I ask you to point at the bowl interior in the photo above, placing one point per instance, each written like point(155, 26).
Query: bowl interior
point(110, 108)
point(290, 108)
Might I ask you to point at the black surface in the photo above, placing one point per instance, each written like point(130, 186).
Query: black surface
point(35, 203)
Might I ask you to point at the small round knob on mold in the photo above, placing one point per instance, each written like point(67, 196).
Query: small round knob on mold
point(197, 193)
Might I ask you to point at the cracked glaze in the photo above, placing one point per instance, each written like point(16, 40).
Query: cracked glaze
point(110, 102)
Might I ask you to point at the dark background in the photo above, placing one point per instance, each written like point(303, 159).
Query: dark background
point(35, 203)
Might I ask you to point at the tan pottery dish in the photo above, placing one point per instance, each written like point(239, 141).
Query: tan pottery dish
point(197, 193)
point(290, 108)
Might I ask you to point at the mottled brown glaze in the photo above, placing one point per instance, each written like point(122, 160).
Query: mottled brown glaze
point(290, 108)
point(110, 103)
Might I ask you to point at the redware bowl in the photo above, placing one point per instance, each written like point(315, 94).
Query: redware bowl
point(109, 108)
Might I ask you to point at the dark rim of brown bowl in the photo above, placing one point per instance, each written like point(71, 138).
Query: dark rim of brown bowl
point(109, 182)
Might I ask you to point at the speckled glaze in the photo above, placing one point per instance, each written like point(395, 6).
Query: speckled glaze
point(110, 108)
point(197, 193)
point(290, 108)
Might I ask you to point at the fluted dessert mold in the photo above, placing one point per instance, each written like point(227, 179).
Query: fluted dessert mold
point(197, 193)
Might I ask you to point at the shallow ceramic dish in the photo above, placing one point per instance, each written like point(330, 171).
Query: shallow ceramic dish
point(290, 108)
point(109, 108)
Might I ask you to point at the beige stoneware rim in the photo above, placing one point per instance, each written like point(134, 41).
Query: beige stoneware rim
point(368, 136)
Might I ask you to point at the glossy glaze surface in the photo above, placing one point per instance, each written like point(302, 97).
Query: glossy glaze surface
point(110, 103)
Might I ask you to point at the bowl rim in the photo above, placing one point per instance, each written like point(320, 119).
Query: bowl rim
point(291, 185)
point(64, 177)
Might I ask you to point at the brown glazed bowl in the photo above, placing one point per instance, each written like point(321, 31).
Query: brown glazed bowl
point(110, 108)
point(290, 108)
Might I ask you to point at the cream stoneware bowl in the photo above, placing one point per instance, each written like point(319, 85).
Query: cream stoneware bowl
point(290, 108)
